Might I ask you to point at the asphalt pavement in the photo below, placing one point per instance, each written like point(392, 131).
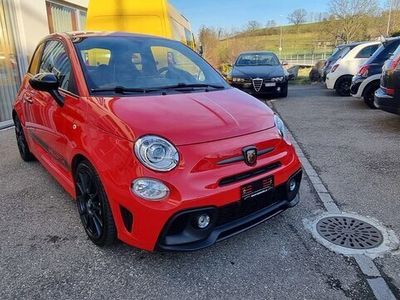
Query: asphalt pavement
point(44, 253)
point(356, 152)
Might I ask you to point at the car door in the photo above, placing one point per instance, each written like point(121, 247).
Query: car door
point(53, 124)
point(27, 92)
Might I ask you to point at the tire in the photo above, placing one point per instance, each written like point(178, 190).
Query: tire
point(284, 92)
point(93, 207)
point(369, 95)
point(23, 146)
point(343, 86)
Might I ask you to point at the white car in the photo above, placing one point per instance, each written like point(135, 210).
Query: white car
point(342, 72)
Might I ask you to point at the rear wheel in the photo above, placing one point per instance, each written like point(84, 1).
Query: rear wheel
point(93, 207)
point(343, 86)
point(23, 147)
point(369, 95)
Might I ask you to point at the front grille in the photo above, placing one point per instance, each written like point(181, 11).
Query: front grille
point(257, 84)
point(240, 209)
point(249, 174)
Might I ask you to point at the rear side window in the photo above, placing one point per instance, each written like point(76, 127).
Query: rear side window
point(367, 51)
point(387, 51)
point(396, 53)
point(55, 60)
point(34, 66)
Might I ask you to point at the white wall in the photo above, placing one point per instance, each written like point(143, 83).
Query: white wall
point(33, 22)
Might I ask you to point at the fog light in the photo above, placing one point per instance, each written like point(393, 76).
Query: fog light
point(150, 189)
point(203, 221)
point(292, 185)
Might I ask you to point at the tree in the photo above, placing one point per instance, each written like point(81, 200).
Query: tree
point(271, 24)
point(208, 38)
point(297, 17)
point(351, 17)
point(253, 25)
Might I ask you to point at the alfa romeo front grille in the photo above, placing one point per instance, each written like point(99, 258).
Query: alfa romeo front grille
point(257, 84)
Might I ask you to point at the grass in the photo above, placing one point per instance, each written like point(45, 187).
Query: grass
point(303, 77)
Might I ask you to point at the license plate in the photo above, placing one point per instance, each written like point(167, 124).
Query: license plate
point(257, 188)
point(269, 84)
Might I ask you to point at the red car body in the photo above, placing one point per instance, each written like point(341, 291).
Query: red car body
point(208, 128)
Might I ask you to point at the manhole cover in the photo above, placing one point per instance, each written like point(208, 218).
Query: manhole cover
point(349, 232)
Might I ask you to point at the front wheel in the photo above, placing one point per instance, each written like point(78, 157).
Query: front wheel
point(343, 86)
point(93, 207)
point(284, 92)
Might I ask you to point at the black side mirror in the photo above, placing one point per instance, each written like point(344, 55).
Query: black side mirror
point(47, 82)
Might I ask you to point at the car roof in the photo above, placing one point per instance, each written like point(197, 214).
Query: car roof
point(84, 34)
point(256, 52)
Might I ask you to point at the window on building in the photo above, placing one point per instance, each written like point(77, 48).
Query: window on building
point(64, 18)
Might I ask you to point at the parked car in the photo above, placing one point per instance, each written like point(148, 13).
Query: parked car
point(156, 148)
point(339, 52)
point(387, 97)
point(259, 73)
point(367, 80)
point(342, 72)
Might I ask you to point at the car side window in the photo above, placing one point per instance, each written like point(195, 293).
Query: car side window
point(34, 66)
point(367, 51)
point(55, 60)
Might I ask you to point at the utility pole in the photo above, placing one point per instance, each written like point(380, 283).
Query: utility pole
point(280, 42)
point(389, 18)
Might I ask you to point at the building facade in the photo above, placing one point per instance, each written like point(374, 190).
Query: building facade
point(23, 23)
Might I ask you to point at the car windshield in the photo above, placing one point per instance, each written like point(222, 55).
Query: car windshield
point(130, 64)
point(257, 59)
point(336, 53)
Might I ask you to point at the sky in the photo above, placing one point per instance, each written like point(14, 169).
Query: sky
point(236, 13)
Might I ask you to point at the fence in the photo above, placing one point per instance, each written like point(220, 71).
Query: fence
point(306, 59)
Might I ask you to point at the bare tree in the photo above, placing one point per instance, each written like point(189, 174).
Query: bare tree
point(271, 23)
point(351, 17)
point(298, 17)
point(253, 25)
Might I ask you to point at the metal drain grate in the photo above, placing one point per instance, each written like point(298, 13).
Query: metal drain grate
point(349, 232)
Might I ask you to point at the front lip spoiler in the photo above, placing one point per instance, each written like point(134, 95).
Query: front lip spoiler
point(233, 228)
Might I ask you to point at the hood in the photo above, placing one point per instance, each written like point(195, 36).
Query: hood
point(258, 71)
point(193, 117)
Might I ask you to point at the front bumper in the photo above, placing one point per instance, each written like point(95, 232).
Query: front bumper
point(386, 102)
point(248, 87)
point(181, 233)
point(355, 90)
point(207, 177)
point(330, 82)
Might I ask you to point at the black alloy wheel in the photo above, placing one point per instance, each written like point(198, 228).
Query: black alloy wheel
point(93, 207)
point(343, 86)
point(369, 96)
point(23, 147)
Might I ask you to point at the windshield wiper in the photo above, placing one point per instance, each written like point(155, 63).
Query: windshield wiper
point(124, 90)
point(184, 86)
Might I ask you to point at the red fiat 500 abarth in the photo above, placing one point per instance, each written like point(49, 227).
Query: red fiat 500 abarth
point(157, 149)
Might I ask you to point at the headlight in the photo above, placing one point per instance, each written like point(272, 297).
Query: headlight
point(150, 189)
point(280, 126)
point(239, 80)
point(278, 79)
point(156, 153)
